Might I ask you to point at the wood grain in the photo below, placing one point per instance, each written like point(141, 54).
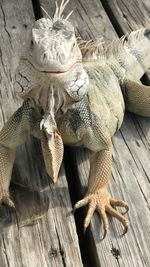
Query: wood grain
point(12, 43)
point(128, 15)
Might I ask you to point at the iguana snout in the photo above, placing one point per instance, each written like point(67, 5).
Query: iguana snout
point(53, 46)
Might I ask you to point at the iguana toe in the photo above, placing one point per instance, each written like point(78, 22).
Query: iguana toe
point(118, 216)
point(119, 203)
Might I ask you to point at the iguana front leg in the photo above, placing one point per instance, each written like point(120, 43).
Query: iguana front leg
point(97, 195)
point(13, 134)
point(137, 97)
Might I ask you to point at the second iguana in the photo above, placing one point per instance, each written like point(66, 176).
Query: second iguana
point(76, 95)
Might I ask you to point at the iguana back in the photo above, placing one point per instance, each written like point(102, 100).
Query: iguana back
point(128, 57)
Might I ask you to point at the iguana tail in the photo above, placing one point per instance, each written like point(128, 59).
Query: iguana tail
point(137, 95)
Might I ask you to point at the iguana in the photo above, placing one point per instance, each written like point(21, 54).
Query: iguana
point(76, 94)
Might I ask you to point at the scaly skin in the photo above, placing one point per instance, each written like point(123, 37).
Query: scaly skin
point(76, 102)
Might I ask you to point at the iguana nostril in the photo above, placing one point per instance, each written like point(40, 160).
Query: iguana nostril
point(44, 56)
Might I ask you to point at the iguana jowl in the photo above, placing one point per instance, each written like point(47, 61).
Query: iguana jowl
point(73, 96)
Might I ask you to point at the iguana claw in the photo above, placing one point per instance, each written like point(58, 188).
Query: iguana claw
point(5, 199)
point(102, 202)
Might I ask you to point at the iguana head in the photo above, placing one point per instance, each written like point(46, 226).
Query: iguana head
point(53, 47)
point(53, 53)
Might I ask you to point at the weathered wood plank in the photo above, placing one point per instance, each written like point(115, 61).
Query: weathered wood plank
point(131, 151)
point(12, 42)
point(48, 206)
point(128, 15)
point(41, 232)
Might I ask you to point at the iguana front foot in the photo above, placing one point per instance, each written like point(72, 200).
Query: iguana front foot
point(103, 202)
point(5, 199)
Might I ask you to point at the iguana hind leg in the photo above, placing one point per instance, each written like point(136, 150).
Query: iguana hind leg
point(137, 97)
point(13, 134)
point(98, 198)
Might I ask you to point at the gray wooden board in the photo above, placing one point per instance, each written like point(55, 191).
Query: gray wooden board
point(11, 43)
point(129, 15)
point(42, 231)
point(131, 169)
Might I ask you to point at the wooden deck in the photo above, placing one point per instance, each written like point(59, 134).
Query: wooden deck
point(43, 231)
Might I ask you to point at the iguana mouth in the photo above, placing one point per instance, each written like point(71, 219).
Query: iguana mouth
point(61, 73)
point(53, 73)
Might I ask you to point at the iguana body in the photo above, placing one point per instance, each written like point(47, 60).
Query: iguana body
point(76, 102)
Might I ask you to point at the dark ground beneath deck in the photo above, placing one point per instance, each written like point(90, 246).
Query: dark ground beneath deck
point(42, 231)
